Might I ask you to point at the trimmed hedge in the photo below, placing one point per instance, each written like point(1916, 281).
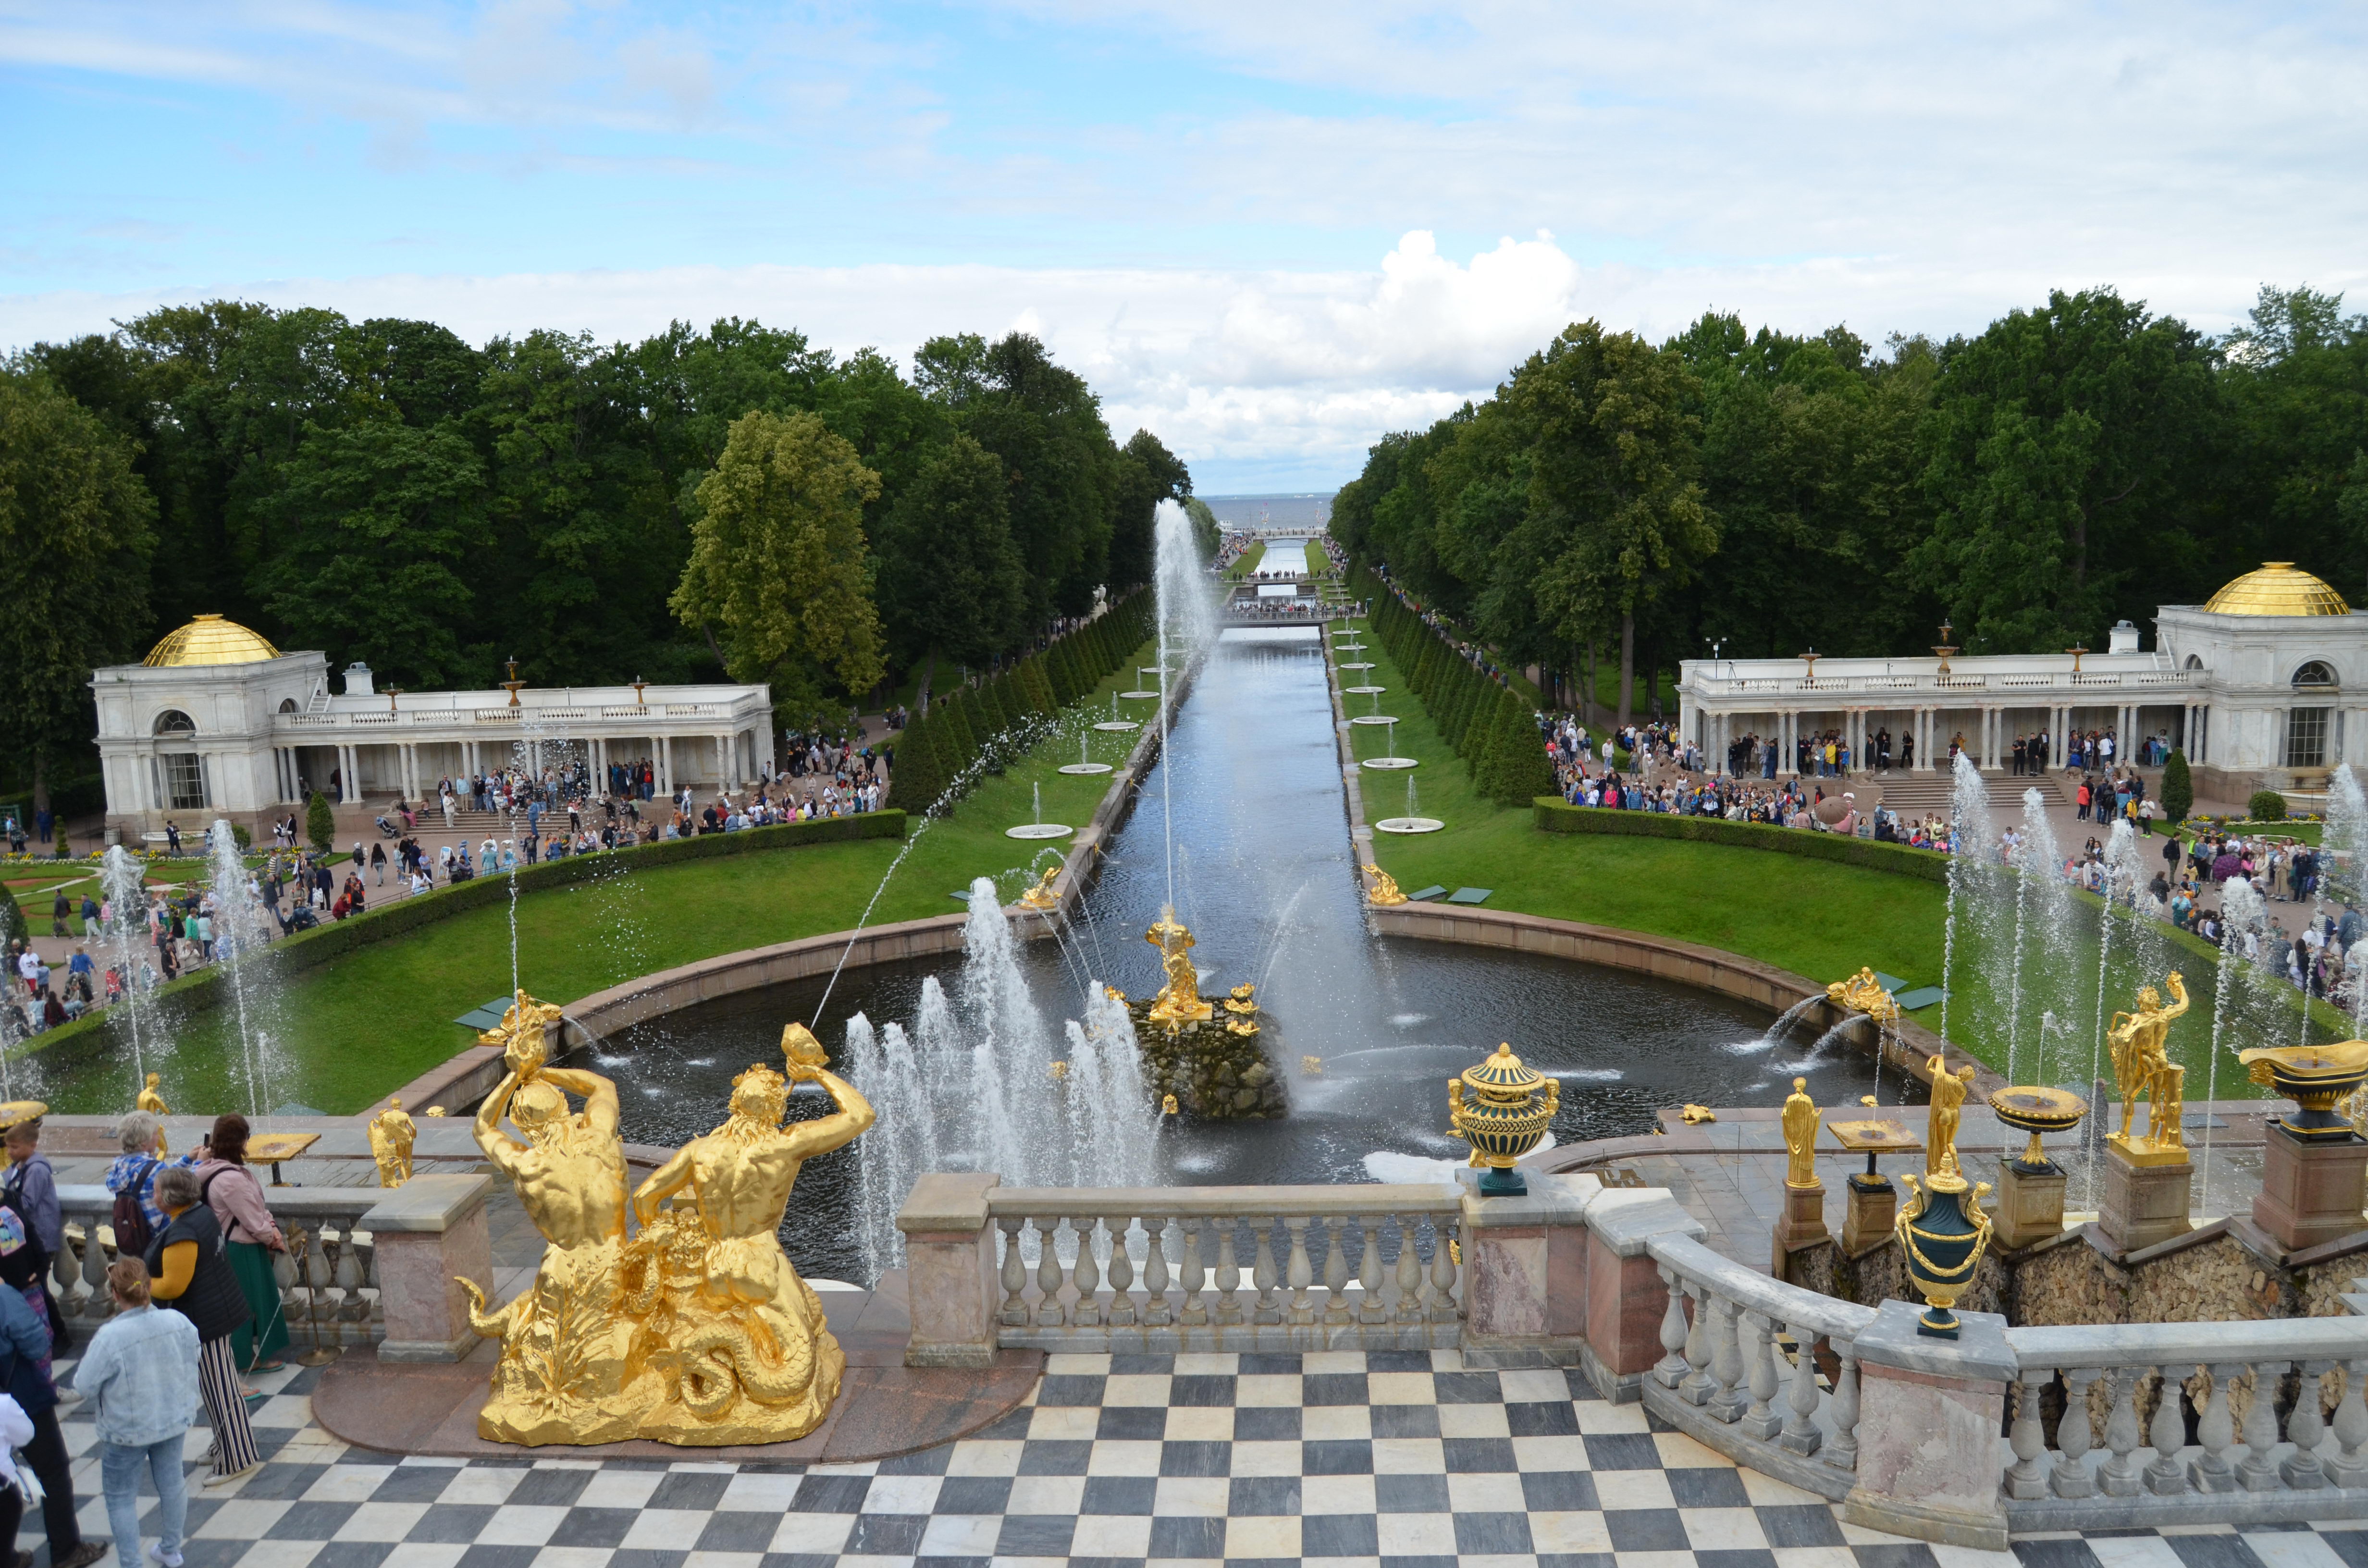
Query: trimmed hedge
point(1557, 815)
point(333, 939)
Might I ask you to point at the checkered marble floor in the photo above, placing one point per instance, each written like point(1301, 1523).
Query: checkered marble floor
point(1396, 1460)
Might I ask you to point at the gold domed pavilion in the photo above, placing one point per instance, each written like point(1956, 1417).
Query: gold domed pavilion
point(210, 640)
point(2277, 588)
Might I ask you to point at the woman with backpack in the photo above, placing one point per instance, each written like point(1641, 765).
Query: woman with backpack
point(188, 1270)
point(132, 1180)
point(230, 1189)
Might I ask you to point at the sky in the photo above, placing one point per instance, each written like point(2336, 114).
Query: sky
point(1268, 234)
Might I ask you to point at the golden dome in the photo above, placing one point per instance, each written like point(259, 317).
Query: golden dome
point(2277, 590)
point(210, 640)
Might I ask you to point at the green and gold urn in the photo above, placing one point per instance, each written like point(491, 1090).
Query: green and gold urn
point(1942, 1232)
point(1506, 1116)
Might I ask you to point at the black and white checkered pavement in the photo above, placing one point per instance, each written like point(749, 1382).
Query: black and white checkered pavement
point(1384, 1460)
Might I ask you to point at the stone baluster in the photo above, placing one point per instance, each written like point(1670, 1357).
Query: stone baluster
point(353, 1307)
point(1122, 1276)
point(2075, 1436)
point(1156, 1311)
point(1089, 1312)
point(1048, 1270)
point(1442, 1297)
point(2167, 1477)
point(2258, 1471)
point(1842, 1452)
point(2120, 1476)
point(97, 1301)
point(1702, 1350)
point(1300, 1275)
point(1264, 1273)
point(1670, 1369)
point(1369, 1270)
point(319, 1298)
point(1336, 1274)
point(2216, 1432)
point(2303, 1469)
point(1229, 1274)
point(1014, 1274)
point(1760, 1419)
point(2027, 1477)
point(65, 1269)
point(1409, 1279)
point(366, 1247)
point(1801, 1434)
point(1729, 1402)
point(289, 1280)
point(2351, 1467)
point(1195, 1279)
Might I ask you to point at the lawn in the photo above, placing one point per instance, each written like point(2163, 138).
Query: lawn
point(1249, 560)
point(1824, 920)
point(351, 1030)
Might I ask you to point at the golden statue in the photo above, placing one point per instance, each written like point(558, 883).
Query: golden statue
point(1385, 888)
point(2142, 1065)
point(1862, 992)
point(1949, 1091)
point(1239, 1000)
point(1801, 1137)
point(1056, 1071)
point(154, 1104)
point(1167, 1105)
point(561, 1374)
point(1041, 895)
point(1178, 1001)
point(1311, 1067)
point(739, 1340)
point(391, 1135)
point(1695, 1114)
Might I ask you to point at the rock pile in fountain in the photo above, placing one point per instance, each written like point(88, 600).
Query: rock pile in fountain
point(1212, 1060)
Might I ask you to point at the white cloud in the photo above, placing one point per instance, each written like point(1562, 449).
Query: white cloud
point(1286, 375)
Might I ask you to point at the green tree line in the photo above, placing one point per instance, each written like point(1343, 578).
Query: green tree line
point(734, 500)
point(1490, 725)
point(1620, 502)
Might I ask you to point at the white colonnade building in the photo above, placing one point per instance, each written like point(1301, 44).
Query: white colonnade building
point(216, 721)
point(2264, 686)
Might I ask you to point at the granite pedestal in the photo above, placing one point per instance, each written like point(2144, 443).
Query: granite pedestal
point(2144, 1198)
point(1929, 1414)
point(2311, 1190)
point(950, 1270)
point(1874, 1209)
point(1525, 1273)
point(2030, 1204)
point(431, 1233)
point(1802, 1224)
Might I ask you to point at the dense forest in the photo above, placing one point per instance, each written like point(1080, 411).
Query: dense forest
point(735, 500)
point(1621, 504)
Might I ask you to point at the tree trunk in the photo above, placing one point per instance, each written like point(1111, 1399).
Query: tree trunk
point(40, 783)
point(1627, 667)
point(1587, 688)
point(928, 672)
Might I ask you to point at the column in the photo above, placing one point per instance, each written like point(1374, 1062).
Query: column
point(665, 764)
point(350, 768)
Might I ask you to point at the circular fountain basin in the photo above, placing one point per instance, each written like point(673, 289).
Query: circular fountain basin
point(1084, 767)
point(1356, 667)
point(1115, 724)
point(1374, 719)
point(1408, 825)
point(1364, 690)
point(1151, 670)
point(1388, 764)
point(1040, 829)
point(1139, 696)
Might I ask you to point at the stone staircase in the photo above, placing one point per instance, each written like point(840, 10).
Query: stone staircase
point(1916, 794)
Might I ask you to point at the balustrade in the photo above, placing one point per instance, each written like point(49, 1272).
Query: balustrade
point(328, 1278)
point(1299, 1267)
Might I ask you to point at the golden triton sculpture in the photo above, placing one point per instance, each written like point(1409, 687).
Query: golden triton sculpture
point(1178, 1001)
point(1385, 888)
point(154, 1104)
point(2142, 1065)
point(698, 1331)
point(391, 1136)
point(1862, 992)
point(1041, 895)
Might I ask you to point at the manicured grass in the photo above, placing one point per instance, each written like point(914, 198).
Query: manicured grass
point(1817, 918)
point(351, 1030)
point(1248, 562)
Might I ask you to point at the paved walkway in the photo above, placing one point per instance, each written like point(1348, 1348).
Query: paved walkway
point(1398, 1460)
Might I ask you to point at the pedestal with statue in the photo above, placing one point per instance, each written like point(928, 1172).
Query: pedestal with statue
point(2145, 1193)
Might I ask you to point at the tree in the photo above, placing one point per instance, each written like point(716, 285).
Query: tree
point(320, 821)
point(776, 576)
point(2178, 788)
point(1146, 473)
point(76, 526)
point(951, 581)
point(369, 567)
point(12, 919)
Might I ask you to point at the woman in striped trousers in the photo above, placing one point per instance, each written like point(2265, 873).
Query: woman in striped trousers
point(188, 1270)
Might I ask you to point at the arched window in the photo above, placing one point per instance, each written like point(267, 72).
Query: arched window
point(2316, 673)
point(180, 775)
point(173, 722)
point(2194, 660)
point(288, 705)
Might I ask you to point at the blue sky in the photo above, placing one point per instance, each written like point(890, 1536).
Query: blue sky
point(1268, 234)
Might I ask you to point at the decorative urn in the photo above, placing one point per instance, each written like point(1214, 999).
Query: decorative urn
point(1507, 1113)
point(2314, 1077)
point(1942, 1233)
point(2035, 1108)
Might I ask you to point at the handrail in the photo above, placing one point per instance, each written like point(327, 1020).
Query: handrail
point(1806, 1309)
point(1245, 1202)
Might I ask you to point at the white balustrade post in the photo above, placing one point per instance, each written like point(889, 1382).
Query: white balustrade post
point(2167, 1477)
point(1407, 1308)
point(1801, 1434)
point(1369, 1270)
point(1015, 1271)
point(1842, 1452)
point(2306, 1428)
point(1088, 1313)
point(2075, 1436)
point(2216, 1431)
point(1048, 1270)
point(1263, 1272)
point(1702, 1350)
point(1671, 1369)
point(2351, 1467)
point(1760, 1418)
point(1336, 1274)
point(1195, 1277)
point(1229, 1274)
point(2120, 1476)
point(1121, 1275)
point(2027, 1477)
point(1729, 1403)
point(2258, 1471)
point(1301, 1276)
point(1155, 1310)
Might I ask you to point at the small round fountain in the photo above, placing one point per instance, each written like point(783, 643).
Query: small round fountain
point(1085, 764)
point(1038, 827)
point(1390, 762)
point(1114, 723)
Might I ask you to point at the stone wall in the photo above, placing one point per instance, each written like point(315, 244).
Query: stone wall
point(1212, 1071)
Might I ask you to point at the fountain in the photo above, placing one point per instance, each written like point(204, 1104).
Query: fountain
point(125, 880)
point(1036, 826)
point(1390, 762)
point(1413, 822)
point(1084, 763)
point(1376, 716)
point(1114, 723)
point(237, 940)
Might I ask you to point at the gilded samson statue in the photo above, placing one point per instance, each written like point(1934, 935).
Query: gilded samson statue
point(2142, 1065)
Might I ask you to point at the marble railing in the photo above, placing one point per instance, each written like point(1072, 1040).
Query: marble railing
point(1163, 1269)
point(328, 1276)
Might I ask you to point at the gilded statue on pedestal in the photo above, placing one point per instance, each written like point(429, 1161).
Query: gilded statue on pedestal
point(1385, 888)
point(697, 1330)
point(154, 1104)
point(1801, 1137)
point(2142, 1065)
point(1862, 992)
point(1040, 895)
point(392, 1132)
point(1949, 1091)
point(1178, 1001)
